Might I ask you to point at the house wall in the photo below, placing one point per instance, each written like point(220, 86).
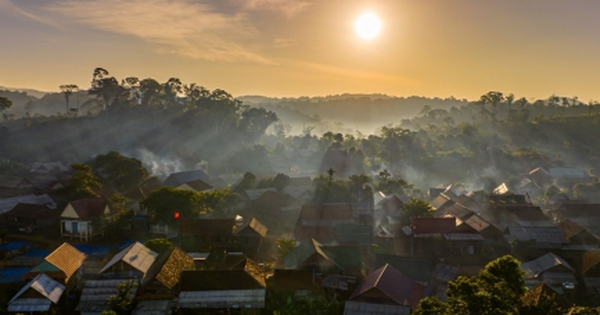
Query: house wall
point(82, 226)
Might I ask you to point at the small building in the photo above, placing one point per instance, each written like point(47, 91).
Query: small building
point(179, 178)
point(295, 283)
point(64, 264)
point(312, 255)
point(162, 280)
point(15, 186)
point(39, 296)
point(134, 261)
point(237, 291)
point(319, 221)
point(195, 185)
point(95, 294)
point(385, 291)
point(29, 218)
point(83, 218)
point(207, 234)
point(549, 269)
point(250, 237)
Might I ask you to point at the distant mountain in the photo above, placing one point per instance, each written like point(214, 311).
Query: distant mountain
point(32, 92)
point(347, 112)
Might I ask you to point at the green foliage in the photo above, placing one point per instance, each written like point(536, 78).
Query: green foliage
point(329, 190)
point(223, 201)
point(389, 185)
point(122, 303)
point(159, 245)
point(83, 184)
point(123, 172)
point(417, 208)
point(285, 303)
point(108, 312)
point(497, 289)
point(247, 182)
point(5, 103)
point(285, 246)
point(163, 202)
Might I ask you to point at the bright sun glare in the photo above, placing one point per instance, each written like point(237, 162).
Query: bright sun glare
point(367, 26)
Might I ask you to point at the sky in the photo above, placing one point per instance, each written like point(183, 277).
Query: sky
point(291, 48)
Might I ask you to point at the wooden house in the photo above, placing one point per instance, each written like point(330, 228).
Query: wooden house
point(134, 261)
point(83, 218)
point(237, 291)
point(29, 218)
point(385, 291)
point(250, 237)
point(64, 264)
point(39, 296)
point(205, 234)
point(549, 269)
point(163, 277)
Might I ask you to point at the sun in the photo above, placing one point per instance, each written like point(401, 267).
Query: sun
point(367, 26)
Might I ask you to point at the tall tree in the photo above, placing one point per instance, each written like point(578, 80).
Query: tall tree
point(5, 104)
point(68, 90)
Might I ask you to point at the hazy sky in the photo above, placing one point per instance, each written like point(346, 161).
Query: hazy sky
point(463, 48)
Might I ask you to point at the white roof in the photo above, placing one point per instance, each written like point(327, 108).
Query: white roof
point(46, 286)
point(136, 255)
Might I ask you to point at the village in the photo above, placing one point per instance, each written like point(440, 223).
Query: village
point(277, 251)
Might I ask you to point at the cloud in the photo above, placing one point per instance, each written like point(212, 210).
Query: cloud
point(288, 7)
point(184, 27)
point(8, 7)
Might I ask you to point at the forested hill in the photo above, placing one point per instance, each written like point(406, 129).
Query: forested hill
point(348, 112)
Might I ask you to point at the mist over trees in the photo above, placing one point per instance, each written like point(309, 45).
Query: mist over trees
point(173, 126)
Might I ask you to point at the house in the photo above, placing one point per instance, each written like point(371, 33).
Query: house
point(271, 205)
point(96, 292)
point(319, 221)
point(39, 296)
point(202, 234)
point(250, 237)
point(535, 298)
point(179, 178)
point(134, 261)
point(162, 280)
point(549, 269)
point(442, 237)
point(583, 213)
point(29, 218)
point(312, 255)
point(46, 168)
point(418, 269)
point(15, 186)
point(295, 283)
point(64, 264)
point(441, 275)
point(503, 215)
point(535, 241)
point(385, 291)
point(236, 291)
point(577, 234)
point(7, 204)
point(195, 185)
point(83, 218)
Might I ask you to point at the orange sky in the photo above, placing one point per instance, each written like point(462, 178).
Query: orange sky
point(462, 48)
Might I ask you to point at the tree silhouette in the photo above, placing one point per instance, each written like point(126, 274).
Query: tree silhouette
point(68, 90)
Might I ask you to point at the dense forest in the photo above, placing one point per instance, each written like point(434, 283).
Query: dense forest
point(174, 126)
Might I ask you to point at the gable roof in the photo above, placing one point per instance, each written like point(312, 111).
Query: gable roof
point(27, 210)
point(302, 252)
point(430, 226)
point(88, 208)
point(254, 194)
point(535, 267)
point(50, 289)
point(168, 270)
point(197, 185)
point(535, 296)
point(136, 255)
point(395, 286)
point(543, 235)
point(572, 229)
point(590, 259)
point(419, 269)
point(176, 179)
point(442, 200)
point(253, 225)
point(66, 258)
point(6, 204)
point(469, 203)
point(48, 166)
point(458, 211)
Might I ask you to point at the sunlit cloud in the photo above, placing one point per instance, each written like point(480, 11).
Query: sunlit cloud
point(284, 42)
point(10, 8)
point(187, 28)
point(288, 7)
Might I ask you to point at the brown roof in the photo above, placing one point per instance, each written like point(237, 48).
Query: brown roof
point(590, 259)
point(255, 226)
point(66, 258)
point(141, 193)
point(27, 210)
point(170, 271)
point(393, 285)
point(327, 212)
point(207, 227)
point(433, 225)
point(89, 207)
point(534, 297)
point(210, 280)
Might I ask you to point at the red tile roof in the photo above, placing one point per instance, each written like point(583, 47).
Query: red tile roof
point(89, 207)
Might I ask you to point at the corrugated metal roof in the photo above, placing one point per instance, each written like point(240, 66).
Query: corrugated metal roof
point(537, 266)
point(95, 294)
point(29, 305)
point(136, 255)
point(566, 172)
point(363, 308)
point(541, 234)
point(254, 194)
point(223, 299)
point(44, 285)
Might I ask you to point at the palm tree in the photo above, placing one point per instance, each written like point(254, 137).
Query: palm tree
point(68, 90)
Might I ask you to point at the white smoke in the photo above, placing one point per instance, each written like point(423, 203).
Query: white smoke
point(158, 166)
